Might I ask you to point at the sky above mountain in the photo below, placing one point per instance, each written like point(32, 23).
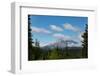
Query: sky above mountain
point(50, 29)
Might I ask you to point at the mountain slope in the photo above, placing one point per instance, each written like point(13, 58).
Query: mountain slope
point(61, 44)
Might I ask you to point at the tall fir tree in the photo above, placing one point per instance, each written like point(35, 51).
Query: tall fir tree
point(37, 44)
point(30, 41)
point(85, 43)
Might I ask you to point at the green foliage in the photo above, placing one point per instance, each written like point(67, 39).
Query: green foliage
point(54, 54)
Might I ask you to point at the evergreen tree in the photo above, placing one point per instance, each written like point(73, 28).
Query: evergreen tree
point(30, 55)
point(85, 43)
point(53, 54)
point(65, 52)
point(66, 46)
point(37, 44)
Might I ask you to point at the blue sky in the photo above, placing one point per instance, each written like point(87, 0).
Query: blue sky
point(49, 29)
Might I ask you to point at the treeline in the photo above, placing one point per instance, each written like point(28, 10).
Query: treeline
point(55, 53)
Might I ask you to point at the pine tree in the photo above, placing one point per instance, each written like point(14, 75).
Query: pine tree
point(85, 43)
point(30, 41)
point(37, 44)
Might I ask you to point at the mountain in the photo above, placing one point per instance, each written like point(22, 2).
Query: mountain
point(61, 44)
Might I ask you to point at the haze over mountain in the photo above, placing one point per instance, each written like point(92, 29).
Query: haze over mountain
point(62, 44)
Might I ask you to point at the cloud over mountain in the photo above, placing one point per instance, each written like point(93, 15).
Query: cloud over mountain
point(61, 36)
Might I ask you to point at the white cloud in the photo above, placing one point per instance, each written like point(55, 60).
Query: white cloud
point(42, 44)
point(61, 36)
point(78, 39)
point(68, 26)
point(80, 36)
point(56, 28)
point(40, 30)
point(79, 44)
